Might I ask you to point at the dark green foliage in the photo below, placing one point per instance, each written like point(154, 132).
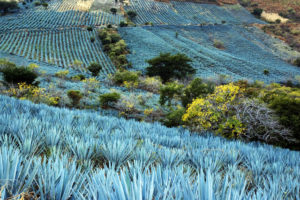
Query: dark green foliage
point(14, 74)
point(113, 10)
point(297, 62)
point(123, 24)
point(106, 40)
point(266, 72)
point(6, 5)
point(121, 76)
point(106, 99)
point(168, 92)
point(37, 3)
point(196, 89)
point(45, 5)
point(131, 14)
point(92, 39)
point(109, 26)
point(95, 68)
point(75, 96)
point(89, 28)
point(102, 34)
point(79, 77)
point(115, 37)
point(174, 118)
point(257, 12)
point(169, 66)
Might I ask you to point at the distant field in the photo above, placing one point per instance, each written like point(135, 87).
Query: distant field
point(247, 51)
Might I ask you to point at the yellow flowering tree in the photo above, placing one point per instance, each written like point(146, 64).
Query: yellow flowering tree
point(214, 112)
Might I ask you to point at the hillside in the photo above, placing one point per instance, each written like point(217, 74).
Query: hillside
point(149, 100)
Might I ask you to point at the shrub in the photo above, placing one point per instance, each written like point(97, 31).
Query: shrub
point(89, 28)
point(261, 124)
point(151, 84)
point(123, 24)
point(174, 118)
point(95, 68)
point(196, 89)
point(92, 39)
point(113, 11)
point(45, 5)
point(131, 14)
point(6, 5)
point(109, 26)
point(168, 66)
point(106, 40)
point(297, 62)
point(121, 76)
point(13, 74)
point(102, 34)
point(78, 77)
point(37, 3)
point(169, 92)
point(257, 12)
point(75, 96)
point(115, 37)
point(218, 44)
point(106, 99)
point(266, 72)
point(213, 112)
point(62, 74)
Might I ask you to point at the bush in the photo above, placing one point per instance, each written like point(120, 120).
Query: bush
point(257, 12)
point(115, 37)
point(13, 74)
point(196, 89)
point(106, 99)
point(89, 28)
point(37, 3)
point(62, 74)
point(174, 118)
point(266, 72)
point(131, 14)
point(121, 76)
point(109, 26)
point(297, 62)
point(168, 66)
point(123, 24)
point(169, 92)
point(218, 44)
point(92, 39)
point(102, 34)
point(78, 77)
point(95, 68)
point(113, 11)
point(45, 5)
point(6, 5)
point(75, 96)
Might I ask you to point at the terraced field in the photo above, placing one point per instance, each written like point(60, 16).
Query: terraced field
point(246, 55)
point(187, 13)
point(57, 46)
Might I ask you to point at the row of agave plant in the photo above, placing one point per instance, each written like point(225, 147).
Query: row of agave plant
point(55, 153)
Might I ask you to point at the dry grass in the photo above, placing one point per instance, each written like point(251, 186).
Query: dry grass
point(273, 17)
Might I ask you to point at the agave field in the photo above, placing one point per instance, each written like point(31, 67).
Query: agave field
point(187, 13)
point(245, 56)
point(59, 14)
point(55, 153)
point(57, 46)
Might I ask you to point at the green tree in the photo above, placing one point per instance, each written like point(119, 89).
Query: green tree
point(131, 14)
point(169, 92)
point(169, 66)
point(95, 68)
point(113, 11)
point(195, 90)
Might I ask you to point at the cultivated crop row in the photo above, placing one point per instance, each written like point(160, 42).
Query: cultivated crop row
point(56, 17)
point(244, 55)
point(186, 13)
point(60, 47)
point(57, 154)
